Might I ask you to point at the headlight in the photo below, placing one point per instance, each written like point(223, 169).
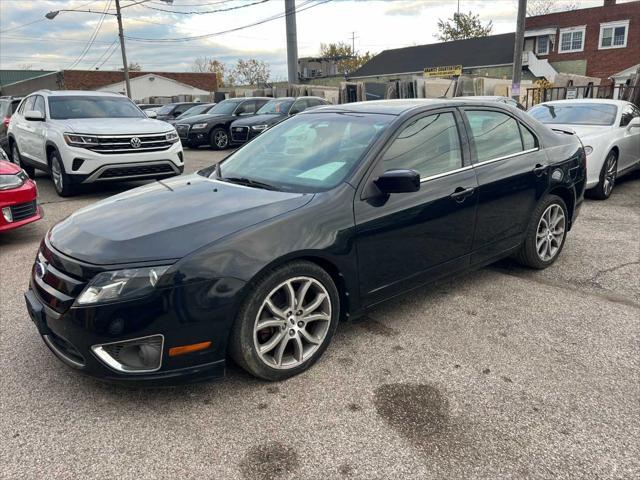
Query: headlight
point(198, 126)
point(121, 285)
point(80, 140)
point(588, 150)
point(173, 137)
point(259, 128)
point(7, 182)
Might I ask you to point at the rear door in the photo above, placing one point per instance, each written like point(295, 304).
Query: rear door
point(406, 239)
point(24, 129)
point(512, 174)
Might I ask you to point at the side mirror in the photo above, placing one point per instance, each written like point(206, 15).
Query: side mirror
point(634, 123)
point(398, 181)
point(152, 114)
point(34, 116)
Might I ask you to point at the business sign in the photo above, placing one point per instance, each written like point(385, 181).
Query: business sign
point(443, 71)
point(572, 92)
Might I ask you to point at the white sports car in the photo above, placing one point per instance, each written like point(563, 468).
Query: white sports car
point(609, 130)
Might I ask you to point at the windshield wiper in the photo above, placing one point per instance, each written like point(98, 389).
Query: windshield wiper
point(249, 182)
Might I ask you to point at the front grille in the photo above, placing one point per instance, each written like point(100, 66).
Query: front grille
point(137, 171)
point(183, 130)
point(56, 281)
point(23, 211)
point(240, 134)
point(131, 144)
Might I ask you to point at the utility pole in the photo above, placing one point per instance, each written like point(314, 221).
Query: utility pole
point(517, 50)
point(125, 65)
point(292, 40)
point(353, 43)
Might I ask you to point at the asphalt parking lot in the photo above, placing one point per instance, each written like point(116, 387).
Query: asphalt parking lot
point(502, 373)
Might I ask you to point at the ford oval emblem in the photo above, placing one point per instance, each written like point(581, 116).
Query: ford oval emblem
point(135, 142)
point(41, 269)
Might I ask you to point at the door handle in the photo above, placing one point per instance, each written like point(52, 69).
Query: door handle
point(539, 170)
point(461, 193)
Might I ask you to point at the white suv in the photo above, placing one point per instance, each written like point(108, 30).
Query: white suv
point(85, 137)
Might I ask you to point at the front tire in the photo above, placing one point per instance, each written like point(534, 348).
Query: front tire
point(60, 178)
point(219, 138)
point(17, 159)
point(608, 175)
point(287, 321)
point(546, 234)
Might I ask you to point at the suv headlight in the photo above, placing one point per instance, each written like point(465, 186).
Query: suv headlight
point(74, 140)
point(172, 137)
point(121, 285)
point(198, 126)
point(259, 128)
point(7, 182)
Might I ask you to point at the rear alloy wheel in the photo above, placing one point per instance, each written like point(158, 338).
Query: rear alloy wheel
point(546, 234)
point(17, 159)
point(58, 175)
point(287, 322)
point(608, 176)
point(219, 139)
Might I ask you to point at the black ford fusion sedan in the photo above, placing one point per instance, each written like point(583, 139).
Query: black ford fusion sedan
point(318, 219)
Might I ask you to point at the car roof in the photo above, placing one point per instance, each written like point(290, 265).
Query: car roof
point(72, 93)
point(602, 101)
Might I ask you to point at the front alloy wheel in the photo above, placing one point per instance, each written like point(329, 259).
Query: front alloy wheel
point(60, 179)
point(608, 176)
point(550, 233)
point(286, 322)
point(219, 139)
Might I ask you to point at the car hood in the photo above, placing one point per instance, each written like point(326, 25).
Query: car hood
point(204, 118)
point(262, 119)
point(584, 131)
point(166, 220)
point(115, 126)
point(8, 168)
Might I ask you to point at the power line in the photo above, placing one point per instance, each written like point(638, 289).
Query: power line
point(113, 50)
point(110, 47)
point(92, 38)
point(209, 35)
point(208, 11)
point(41, 19)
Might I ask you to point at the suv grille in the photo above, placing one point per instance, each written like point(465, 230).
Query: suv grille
point(23, 211)
point(239, 134)
point(131, 144)
point(141, 170)
point(183, 130)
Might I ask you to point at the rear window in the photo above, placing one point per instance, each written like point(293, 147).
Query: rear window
point(68, 107)
point(575, 113)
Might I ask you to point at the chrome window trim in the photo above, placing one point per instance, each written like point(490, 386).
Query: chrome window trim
point(112, 363)
point(444, 174)
point(517, 154)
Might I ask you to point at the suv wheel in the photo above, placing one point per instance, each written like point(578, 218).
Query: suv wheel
point(546, 234)
point(59, 176)
point(219, 139)
point(17, 159)
point(287, 321)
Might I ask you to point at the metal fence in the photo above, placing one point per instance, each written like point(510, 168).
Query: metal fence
point(615, 92)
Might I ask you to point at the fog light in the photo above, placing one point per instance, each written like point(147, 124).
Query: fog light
point(6, 213)
point(137, 355)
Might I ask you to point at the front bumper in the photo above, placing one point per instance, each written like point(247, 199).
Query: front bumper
point(241, 135)
point(23, 204)
point(193, 138)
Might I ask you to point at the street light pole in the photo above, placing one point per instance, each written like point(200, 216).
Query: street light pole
point(125, 65)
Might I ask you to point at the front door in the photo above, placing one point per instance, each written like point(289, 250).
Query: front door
point(630, 139)
point(512, 175)
point(406, 239)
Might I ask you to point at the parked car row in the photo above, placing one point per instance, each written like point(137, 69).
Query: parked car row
point(293, 237)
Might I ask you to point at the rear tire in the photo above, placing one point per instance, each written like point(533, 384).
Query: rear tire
point(60, 178)
point(17, 159)
point(219, 138)
point(546, 234)
point(608, 176)
point(286, 322)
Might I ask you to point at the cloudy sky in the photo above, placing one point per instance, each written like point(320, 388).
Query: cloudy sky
point(160, 36)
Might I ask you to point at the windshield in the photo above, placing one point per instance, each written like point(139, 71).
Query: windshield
point(166, 109)
point(575, 113)
point(68, 107)
point(225, 107)
point(195, 110)
point(308, 153)
point(276, 106)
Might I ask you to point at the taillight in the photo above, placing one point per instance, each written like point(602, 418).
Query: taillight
point(5, 121)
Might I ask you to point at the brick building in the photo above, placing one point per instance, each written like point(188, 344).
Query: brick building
point(597, 42)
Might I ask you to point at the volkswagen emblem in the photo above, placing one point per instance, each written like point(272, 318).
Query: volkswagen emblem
point(135, 142)
point(41, 268)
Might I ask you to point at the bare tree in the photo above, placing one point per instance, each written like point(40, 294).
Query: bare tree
point(249, 72)
point(543, 7)
point(348, 59)
point(210, 65)
point(26, 66)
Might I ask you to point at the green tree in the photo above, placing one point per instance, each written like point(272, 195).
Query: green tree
point(349, 60)
point(461, 26)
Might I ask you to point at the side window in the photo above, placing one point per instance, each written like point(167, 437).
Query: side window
point(627, 115)
point(528, 139)
point(430, 145)
point(38, 105)
point(246, 107)
point(180, 109)
point(27, 105)
point(298, 106)
point(494, 134)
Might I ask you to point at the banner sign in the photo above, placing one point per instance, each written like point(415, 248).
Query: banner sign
point(443, 71)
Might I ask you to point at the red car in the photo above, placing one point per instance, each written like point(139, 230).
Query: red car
point(18, 193)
